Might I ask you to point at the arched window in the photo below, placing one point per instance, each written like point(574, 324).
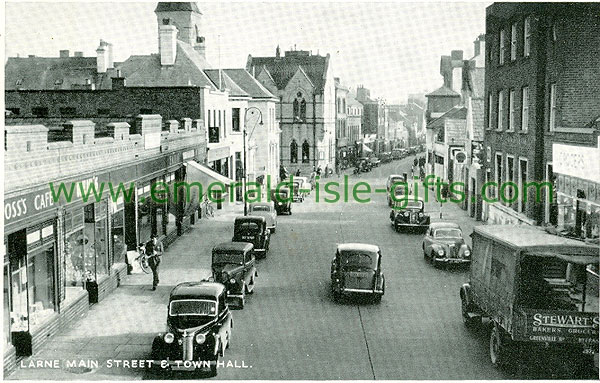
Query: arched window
point(303, 110)
point(299, 107)
point(293, 152)
point(305, 152)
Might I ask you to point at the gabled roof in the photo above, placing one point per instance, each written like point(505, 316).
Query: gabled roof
point(352, 101)
point(225, 83)
point(282, 69)
point(457, 113)
point(443, 91)
point(476, 82)
point(188, 69)
point(173, 7)
point(303, 74)
point(39, 73)
point(248, 83)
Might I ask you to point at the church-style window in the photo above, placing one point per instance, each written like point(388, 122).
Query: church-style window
point(299, 108)
point(293, 152)
point(305, 152)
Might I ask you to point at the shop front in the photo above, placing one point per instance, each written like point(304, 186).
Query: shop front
point(578, 189)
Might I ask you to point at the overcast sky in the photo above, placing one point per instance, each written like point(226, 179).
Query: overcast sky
point(392, 48)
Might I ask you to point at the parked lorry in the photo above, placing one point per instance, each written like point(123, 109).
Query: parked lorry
point(539, 291)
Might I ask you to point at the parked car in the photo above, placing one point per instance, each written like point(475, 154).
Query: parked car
point(397, 154)
point(282, 201)
point(198, 329)
point(356, 269)
point(233, 265)
point(374, 161)
point(540, 292)
point(252, 229)
point(385, 157)
point(267, 210)
point(409, 213)
point(394, 179)
point(444, 244)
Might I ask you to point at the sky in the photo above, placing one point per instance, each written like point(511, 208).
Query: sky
point(393, 49)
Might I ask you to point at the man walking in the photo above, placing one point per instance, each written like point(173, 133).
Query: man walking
point(154, 250)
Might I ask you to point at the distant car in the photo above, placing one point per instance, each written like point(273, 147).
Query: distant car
point(444, 244)
point(233, 265)
point(399, 190)
point(267, 210)
point(356, 269)
point(198, 329)
point(397, 154)
point(409, 213)
point(385, 157)
point(282, 200)
point(306, 186)
point(374, 161)
point(252, 229)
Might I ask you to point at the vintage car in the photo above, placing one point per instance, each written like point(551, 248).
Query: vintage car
point(282, 200)
point(393, 180)
point(444, 244)
point(306, 186)
point(233, 265)
point(356, 269)
point(264, 209)
point(252, 229)
point(374, 161)
point(198, 329)
point(409, 213)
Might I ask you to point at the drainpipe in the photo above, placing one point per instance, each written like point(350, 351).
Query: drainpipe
point(315, 128)
point(540, 109)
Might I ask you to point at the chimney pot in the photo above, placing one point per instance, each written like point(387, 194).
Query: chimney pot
point(64, 53)
point(78, 54)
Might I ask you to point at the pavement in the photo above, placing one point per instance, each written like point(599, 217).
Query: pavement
point(291, 328)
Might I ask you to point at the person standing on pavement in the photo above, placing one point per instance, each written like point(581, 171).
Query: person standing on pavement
point(154, 250)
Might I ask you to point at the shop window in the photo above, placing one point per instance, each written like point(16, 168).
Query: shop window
point(6, 311)
point(74, 247)
point(41, 289)
point(118, 234)
point(145, 210)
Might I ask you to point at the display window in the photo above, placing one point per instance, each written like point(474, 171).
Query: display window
point(146, 213)
point(41, 289)
point(75, 242)
point(118, 232)
point(170, 219)
point(6, 312)
point(95, 249)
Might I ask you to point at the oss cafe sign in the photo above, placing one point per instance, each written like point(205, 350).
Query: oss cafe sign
point(26, 205)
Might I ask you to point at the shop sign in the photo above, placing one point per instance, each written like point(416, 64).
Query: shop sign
point(577, 161)
point(188, 154)
point(26, 205)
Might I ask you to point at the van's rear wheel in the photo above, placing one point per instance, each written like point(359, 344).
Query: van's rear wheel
point(470, 321)
point(499, 347)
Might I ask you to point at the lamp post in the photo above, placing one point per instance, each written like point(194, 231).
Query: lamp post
point(253, 109)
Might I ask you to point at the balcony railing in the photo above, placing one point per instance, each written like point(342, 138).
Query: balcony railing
point(213, 135)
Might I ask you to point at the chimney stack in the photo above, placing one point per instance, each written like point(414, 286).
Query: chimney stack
point(479, 50)
point(167, 38)
point(64, 53)
point(200, 46)
point(77, 54)
point(111, 63)
point(101, 58)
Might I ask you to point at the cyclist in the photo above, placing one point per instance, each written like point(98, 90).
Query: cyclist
point(154, 250)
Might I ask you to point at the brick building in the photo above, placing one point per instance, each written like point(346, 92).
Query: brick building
point(61, 255)
point(542, 87)
point(374, 118)
point(342, 132)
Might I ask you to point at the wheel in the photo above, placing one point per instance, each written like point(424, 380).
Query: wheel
point(242, 301)
point(469, 321)
point(144, 265)
point(499, 347)
point(377, 298)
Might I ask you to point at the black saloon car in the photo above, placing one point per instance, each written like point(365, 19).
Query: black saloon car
point(198, 329)
point(252, 229)
point(233, 265)
point(409, 213)
point(356, 269)
point(282, 200)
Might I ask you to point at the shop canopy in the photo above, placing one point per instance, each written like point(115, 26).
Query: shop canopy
point(366, 149)
point(206, 176)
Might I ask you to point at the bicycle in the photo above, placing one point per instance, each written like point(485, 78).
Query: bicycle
point(142, 259)
point(208, 207)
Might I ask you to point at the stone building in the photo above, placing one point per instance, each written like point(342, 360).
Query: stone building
point(304, 84)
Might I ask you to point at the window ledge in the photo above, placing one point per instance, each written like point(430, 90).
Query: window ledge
point(523, 131)
point(560, 129)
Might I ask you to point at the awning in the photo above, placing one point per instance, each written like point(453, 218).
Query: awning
point(206, 176)
point(366, 149)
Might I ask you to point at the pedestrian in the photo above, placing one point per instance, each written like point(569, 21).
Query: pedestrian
point(298, 173)
point(154, 250)
point(319, 171)
point(415, 162)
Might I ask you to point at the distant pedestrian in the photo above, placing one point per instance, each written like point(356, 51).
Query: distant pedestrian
point(319, 171)
point(415, 162)
point(298, 173)
point(154, 250)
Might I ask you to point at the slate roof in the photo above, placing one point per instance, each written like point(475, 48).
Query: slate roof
point(282, 69)
point(478, 105)
point(456, 113)
point(172, 7)
point(476, 82)
point(352, 101)
point(188, 69)
point(39, 73)
point(443, 91)
point(226, 82)
point(248, 83)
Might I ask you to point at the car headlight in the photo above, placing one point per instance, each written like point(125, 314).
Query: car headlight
point(440, 252)
point(467, 253)
point(200, 338)
point(406, 214)
point(169, 338)
point(420, 215)
point(232, 280)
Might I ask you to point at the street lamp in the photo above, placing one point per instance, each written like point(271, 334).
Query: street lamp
point(254, 110)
